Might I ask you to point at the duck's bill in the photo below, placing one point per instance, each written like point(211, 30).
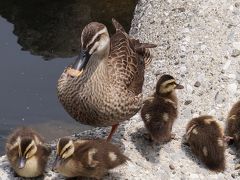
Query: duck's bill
point(79, 64)
point(22, 162)
point(73, 72)
point(56, 163)
point(179, 86)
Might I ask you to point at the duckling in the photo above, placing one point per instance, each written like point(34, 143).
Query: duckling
point(206, 139)
point(26, 152)
point(160, 110)
point(233, 125)
point(103, 87)
point(86, 158)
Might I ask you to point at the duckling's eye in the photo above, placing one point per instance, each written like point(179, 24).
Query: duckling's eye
point(29, 150)
point(170, 84)
point(67, 149)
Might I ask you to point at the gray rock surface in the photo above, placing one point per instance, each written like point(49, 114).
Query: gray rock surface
point(196, 41)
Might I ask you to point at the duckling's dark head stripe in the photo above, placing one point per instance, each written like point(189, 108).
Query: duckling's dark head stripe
point(25, 143)
point(165, 80)
point(62, 143)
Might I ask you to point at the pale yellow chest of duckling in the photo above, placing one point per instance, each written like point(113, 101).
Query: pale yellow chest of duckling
point(70, 169)
point(75, 168)
point(31, 168)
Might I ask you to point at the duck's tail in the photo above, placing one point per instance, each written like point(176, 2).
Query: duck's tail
point(117, 25)
point(143, 50)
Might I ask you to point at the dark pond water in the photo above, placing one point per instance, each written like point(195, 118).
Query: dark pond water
point(37, 40)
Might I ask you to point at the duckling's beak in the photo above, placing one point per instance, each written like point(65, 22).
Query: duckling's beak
point(81, 61)
point(185, 140)
point(56, 163)
point(179, 86)
point(22, 162)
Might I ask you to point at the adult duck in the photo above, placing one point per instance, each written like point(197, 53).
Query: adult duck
point(103, 87)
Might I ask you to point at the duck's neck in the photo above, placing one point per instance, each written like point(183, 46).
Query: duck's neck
point(97, 65)
point(170, 95)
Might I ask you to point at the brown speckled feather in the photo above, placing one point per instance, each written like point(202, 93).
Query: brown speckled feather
point(124, 66)
point(205, 137)
point(127, 59)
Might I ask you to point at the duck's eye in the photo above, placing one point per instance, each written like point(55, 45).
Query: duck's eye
point(98, 38)
point(67, 149)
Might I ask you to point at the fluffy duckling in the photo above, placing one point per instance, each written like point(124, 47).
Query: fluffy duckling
point(86, 158)
point(233, 125)
point(26, 153)
point(233, 128)
point(160, 110)
point(206, 139)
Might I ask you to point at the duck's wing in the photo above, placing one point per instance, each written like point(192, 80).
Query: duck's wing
point(126, 61)
point(143, 50)
point(123, 61)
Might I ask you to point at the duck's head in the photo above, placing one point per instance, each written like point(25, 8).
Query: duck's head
point(26, 149)
point(95, 41)
point(65, 149)
point(167, 84)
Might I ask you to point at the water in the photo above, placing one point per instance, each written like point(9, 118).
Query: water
point(37, 40)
